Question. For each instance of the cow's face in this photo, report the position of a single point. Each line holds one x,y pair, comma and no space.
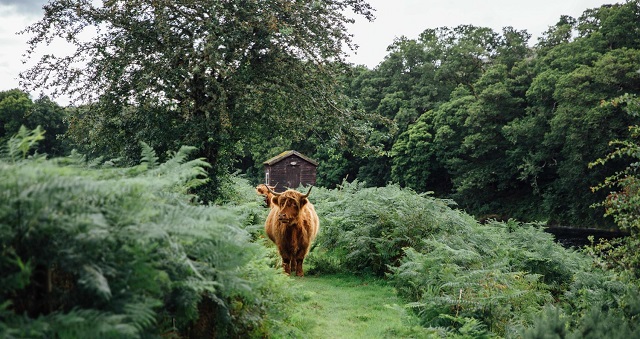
289,204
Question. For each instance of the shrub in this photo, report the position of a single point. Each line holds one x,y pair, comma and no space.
456,274
446,279
91,250
365,229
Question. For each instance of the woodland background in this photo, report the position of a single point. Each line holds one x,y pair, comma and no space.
477,116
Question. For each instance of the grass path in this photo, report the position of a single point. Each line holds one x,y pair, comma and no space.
341,306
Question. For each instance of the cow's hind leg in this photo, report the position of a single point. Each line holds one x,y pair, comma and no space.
294,265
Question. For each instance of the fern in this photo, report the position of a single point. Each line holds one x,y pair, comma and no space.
123,252
149,157
495,278
20,144
371,226
93,278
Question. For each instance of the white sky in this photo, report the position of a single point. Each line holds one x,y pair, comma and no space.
394,18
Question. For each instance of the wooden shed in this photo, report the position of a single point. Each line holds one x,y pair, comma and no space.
290,169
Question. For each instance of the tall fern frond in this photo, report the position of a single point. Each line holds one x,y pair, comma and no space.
84,323
142,314
184,174
93,279
149,157
19,145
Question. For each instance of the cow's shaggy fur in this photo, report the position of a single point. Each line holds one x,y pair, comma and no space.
263,190
292,225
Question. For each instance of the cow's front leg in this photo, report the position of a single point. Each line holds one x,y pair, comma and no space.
299,271
286,265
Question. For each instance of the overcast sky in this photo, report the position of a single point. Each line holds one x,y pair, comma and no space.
394,18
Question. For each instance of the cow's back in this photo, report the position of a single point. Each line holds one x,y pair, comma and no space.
272,224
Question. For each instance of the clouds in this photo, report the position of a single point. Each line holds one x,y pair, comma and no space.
13,45
25,7
409,18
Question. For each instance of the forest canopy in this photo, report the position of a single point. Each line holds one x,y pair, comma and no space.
505,129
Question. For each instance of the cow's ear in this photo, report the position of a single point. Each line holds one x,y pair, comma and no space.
274,200
303,201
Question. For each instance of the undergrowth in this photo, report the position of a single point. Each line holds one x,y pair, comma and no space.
91,250
462,277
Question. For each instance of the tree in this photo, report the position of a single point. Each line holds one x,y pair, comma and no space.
218,71
580,129
522,124
17,109
412,157
14,105
615,24
459,143
417,76
623,201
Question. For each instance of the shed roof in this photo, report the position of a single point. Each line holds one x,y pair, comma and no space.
286,154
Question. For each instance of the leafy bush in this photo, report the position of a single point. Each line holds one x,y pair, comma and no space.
598,322
462,278
364,230
624,198
457,279
90,250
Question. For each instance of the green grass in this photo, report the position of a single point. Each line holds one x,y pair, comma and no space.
341,306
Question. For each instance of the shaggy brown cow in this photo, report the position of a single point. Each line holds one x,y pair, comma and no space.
292,225
263,189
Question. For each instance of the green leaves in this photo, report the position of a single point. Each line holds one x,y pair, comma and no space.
458,276
149,157
366,229
92,278
516,127
17,109
623,197
24,141
123,252
211,74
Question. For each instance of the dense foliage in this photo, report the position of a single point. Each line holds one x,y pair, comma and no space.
467,279
459,123
123,252
500,127
481,117
18,109
90,250
623,202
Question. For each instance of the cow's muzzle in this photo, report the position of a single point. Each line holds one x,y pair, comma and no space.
283,218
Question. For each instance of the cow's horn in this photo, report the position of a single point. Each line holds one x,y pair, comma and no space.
309,191
272,192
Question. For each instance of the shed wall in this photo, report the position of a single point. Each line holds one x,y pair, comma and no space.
290,172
